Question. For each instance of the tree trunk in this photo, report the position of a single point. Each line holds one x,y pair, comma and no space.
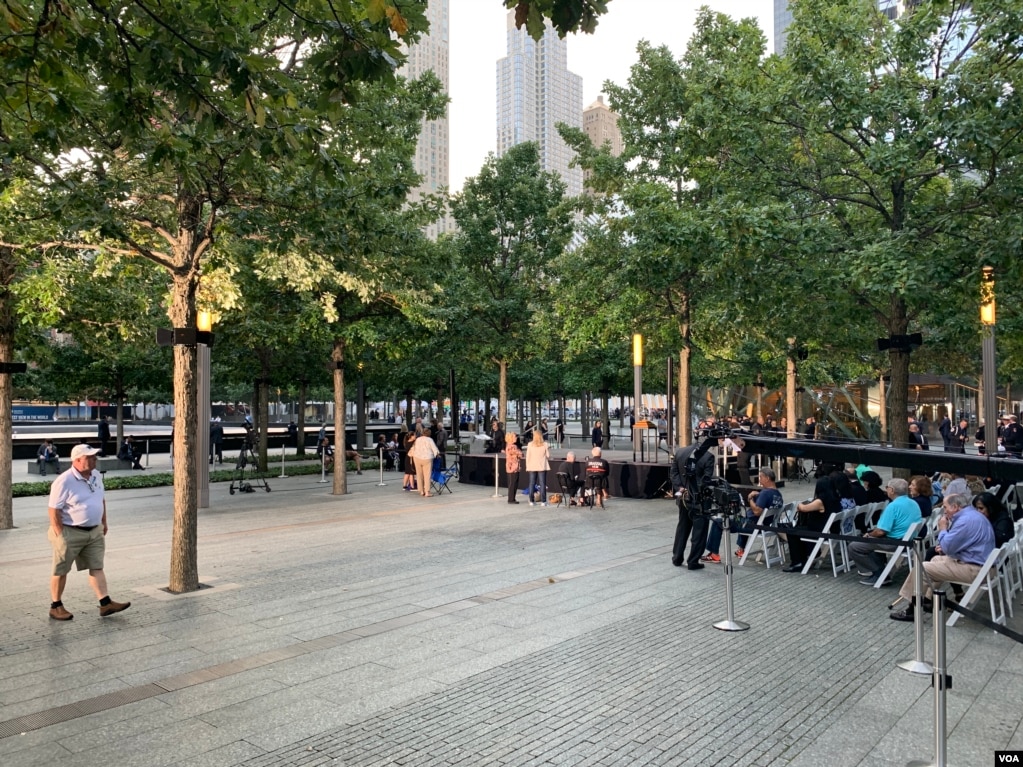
6,389
502,392
584,413
184,565
263,388
337,356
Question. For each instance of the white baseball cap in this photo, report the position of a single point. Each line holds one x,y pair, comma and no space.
82,450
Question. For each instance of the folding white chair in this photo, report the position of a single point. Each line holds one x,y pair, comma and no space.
903,550
987,579
846,526
829,527
770,544
1012,578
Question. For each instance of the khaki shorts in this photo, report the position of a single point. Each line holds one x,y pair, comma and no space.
84,548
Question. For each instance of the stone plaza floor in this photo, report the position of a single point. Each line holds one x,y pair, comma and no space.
384,628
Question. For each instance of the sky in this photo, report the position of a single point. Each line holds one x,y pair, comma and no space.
477,41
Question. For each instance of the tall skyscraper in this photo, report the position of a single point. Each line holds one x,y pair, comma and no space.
432,160
535,92
783,17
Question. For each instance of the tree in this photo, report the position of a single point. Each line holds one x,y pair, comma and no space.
512,225
174,115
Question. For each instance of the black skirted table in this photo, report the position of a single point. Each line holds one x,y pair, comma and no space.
626,479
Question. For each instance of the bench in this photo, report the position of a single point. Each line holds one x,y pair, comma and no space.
51,470
111,463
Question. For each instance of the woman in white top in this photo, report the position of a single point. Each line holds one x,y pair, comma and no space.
538,464
424,450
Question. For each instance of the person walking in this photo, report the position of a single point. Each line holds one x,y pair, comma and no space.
538,463
78,527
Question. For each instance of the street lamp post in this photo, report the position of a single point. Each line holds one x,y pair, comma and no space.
204,339
987,321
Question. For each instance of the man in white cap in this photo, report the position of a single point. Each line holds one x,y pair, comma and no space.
78,524
1012,435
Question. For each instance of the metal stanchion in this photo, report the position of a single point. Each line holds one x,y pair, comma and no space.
497,473
918,665
284,449
323,467
941,682
380,461
729,624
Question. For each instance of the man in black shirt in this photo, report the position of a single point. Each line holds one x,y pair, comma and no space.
690,472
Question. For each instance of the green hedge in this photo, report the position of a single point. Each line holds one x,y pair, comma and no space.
165,478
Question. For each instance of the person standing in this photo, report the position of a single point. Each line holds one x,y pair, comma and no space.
424,450
958,437
945,430
691,469
216,440
512,464
597,436
440,437
103,433
538,463
78,526
1012,436
292,433
559,432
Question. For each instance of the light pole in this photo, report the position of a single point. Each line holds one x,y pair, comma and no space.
203,342
987,321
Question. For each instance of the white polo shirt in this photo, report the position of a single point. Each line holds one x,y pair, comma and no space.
79,500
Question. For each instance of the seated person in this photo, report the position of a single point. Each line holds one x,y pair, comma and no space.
129,452
47,454
759,500
325,451
597,470
963,547
353,455
575,471
897,517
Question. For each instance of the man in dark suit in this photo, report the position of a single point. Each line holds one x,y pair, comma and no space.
691,469
103,433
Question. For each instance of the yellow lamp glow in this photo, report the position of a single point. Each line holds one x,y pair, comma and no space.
987,296
637,350
204,321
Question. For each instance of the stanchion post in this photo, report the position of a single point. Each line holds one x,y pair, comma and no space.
323,466
730,623
941,681
497,472
918,665
284,449
380,462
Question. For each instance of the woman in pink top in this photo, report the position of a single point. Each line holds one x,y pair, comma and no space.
513,462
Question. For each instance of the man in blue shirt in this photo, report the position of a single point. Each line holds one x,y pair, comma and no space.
965,539
898,516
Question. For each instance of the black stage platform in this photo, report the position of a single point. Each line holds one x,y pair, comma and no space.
626,480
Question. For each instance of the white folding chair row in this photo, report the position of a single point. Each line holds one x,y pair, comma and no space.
931,523
988,579
770,542
905,549
831,526
872,509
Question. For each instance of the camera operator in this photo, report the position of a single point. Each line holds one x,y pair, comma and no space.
692,468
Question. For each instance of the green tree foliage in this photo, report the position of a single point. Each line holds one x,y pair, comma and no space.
512,226
150,123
